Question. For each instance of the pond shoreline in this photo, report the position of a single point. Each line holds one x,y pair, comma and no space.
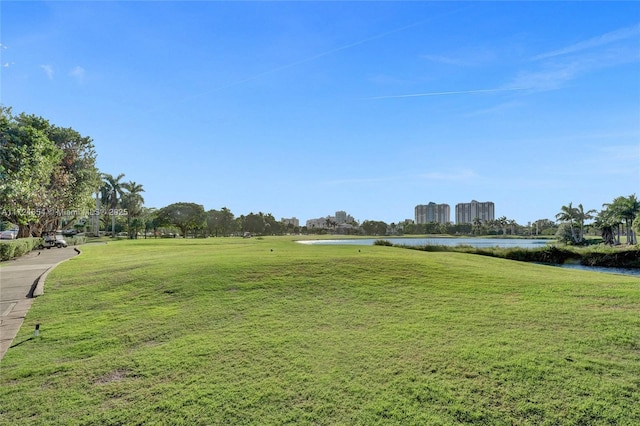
525,250
594,256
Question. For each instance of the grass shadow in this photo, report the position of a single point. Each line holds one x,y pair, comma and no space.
19,343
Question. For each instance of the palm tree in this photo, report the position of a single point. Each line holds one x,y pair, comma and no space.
575,217
502,222
111,189
581,216
567,214
606,221
633,209
477,223
132,201
626,209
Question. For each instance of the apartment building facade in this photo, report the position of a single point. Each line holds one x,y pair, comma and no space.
432,212
467,212
290,221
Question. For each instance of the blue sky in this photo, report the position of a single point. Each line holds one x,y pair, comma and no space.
304,108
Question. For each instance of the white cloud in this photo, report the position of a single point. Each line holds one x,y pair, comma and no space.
48,70
546,79
6,64
602,40
562,65
453,92
77,73
555,74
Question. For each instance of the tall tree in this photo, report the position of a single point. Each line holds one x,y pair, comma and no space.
28,159
477,225
111,189
47,172
271,225
132,202
73,180
372,227
575,218
220,222
185,216
625,210
502,221
567,215
606,221
636,226
254,223
581,217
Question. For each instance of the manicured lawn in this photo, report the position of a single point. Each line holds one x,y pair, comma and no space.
235,331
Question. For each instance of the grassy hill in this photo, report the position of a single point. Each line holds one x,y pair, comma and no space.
267,331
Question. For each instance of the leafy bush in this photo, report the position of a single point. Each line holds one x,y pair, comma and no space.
7,250
17,248
629,258
436,247
564,233
77,240
383,243
592,255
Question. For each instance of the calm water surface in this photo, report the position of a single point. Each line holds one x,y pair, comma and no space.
606,269
474,242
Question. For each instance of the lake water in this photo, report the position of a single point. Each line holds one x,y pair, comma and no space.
605,269
474,242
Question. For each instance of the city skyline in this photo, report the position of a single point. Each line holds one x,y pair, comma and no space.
296,108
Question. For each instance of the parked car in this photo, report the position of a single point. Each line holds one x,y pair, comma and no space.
8,235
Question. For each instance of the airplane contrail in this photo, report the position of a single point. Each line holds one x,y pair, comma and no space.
303,61
314,57
457,92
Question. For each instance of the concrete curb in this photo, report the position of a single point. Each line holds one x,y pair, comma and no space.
39,288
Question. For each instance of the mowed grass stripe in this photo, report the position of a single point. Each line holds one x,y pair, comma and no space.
267,331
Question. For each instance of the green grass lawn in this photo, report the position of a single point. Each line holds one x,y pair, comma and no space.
267,331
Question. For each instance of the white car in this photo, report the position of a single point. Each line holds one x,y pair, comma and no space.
8,235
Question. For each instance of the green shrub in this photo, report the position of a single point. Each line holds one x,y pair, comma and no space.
23,247
629,258
7,250
590,255
77,240
17,248
383,243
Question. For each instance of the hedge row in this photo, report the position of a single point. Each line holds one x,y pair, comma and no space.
622,257
76,241
17,248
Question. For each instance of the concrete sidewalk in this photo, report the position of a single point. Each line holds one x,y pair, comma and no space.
21,280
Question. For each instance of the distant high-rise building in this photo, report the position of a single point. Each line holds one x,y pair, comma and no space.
320,223
467,212
432,212
341,217
293,221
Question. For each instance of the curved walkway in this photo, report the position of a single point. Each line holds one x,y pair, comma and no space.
21,280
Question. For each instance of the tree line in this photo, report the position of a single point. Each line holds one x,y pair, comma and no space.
620,217
47,173
49,180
